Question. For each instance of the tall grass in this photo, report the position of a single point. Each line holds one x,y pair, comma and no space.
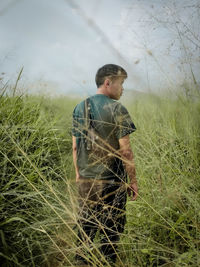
38,192
165,220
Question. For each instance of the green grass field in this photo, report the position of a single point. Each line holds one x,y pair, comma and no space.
38,190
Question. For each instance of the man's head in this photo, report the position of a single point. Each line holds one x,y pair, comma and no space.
110,77
110,71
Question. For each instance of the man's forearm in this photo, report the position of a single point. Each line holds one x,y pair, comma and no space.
128,161
74,148
129,164
127,157
75,162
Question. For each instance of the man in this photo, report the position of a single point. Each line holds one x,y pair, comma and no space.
103,158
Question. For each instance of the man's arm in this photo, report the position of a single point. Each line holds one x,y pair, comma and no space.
128,161
74,148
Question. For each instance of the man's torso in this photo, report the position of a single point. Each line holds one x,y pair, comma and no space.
106,120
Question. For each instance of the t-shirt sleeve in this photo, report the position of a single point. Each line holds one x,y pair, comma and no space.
78,120
124,123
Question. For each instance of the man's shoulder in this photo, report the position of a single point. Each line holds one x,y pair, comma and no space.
79,107
103,101
118,107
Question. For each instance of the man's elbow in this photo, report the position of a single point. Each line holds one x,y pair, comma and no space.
127,154
74,148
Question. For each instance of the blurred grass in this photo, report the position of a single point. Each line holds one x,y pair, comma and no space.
38,204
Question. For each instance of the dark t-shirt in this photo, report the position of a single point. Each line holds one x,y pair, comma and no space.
110,121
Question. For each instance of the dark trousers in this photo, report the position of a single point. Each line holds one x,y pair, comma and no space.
102,207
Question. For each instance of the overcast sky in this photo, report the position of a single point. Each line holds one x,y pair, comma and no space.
62,43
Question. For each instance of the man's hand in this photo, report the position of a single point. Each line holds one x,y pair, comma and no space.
133,190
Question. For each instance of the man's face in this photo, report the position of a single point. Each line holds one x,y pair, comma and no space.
115,88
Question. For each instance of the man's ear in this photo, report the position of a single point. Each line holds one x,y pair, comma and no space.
107,82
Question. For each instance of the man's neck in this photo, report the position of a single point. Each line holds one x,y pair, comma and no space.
102,91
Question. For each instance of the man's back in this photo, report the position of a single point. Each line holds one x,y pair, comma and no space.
111,121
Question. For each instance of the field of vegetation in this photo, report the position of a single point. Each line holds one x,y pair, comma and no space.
38,190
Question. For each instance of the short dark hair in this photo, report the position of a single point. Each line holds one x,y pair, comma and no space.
111,71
